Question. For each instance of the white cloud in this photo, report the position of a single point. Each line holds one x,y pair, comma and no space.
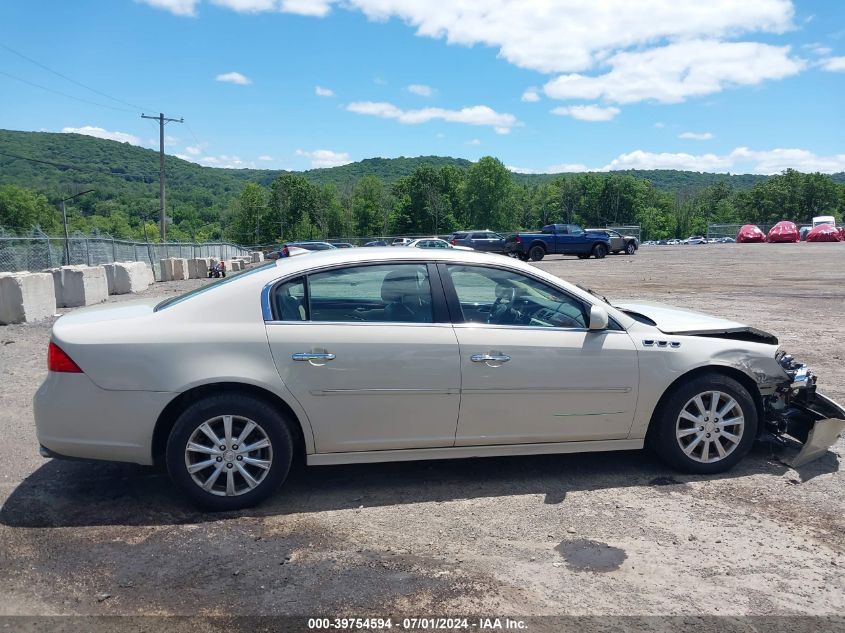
193,150
659,125
818,49
587,112
678,71
323,92
90,130
176,7
421,89
573,36
474,141
265,157
234,78
834,64
501,122
315,8
741,160
696,136
530,95
325,157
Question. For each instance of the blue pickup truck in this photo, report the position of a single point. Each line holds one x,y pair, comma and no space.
557,239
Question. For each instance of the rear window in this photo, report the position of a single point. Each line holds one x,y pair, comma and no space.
197,291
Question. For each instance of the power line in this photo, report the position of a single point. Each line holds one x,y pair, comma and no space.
64,94
73,81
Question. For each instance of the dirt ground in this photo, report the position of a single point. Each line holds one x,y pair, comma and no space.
605,533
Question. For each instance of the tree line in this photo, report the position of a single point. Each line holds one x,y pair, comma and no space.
433,199
485,195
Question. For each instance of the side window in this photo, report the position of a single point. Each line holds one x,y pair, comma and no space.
479,236
290,301
504,297
384,293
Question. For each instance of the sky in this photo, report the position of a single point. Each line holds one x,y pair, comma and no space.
543,85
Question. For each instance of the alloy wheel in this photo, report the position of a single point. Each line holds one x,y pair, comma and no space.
228,455
710,426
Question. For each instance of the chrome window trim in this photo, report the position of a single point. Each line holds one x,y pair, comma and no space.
360,323
533,328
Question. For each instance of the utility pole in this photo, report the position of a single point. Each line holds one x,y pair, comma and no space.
162,121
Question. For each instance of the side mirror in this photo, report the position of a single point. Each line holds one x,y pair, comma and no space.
598,318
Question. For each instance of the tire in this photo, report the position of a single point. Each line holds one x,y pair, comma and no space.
523,257
672,435
536,253
630,248
599,251
583,257
268,467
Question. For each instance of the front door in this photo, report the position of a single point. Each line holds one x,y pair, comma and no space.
531,370
364,354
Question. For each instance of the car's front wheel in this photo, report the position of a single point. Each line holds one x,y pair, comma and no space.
706,425
229,451
630,248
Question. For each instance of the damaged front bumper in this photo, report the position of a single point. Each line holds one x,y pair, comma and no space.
796,409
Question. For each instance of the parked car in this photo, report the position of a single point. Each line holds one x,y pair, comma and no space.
673,242
435,242
333,357
288,250
750,233
726,240
783,231
401,241
342,244
619,243
695,240
557,239
376,243
313,246
487,241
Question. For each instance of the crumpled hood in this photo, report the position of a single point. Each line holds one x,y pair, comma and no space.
672,320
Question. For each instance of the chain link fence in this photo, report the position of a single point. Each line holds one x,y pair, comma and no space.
39,251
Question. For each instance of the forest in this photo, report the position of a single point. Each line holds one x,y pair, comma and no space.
413,196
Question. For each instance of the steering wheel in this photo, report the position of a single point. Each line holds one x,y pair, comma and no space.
503,294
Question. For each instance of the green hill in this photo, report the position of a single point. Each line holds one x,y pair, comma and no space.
121,170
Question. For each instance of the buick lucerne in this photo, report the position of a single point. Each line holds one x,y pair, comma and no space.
386,354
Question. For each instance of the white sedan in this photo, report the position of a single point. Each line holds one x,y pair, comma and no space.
388,354
435,242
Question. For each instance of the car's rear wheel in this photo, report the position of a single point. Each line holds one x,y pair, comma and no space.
229,451
630,248
536,253
706,425
599,251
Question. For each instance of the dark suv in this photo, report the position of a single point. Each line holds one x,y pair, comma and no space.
486,241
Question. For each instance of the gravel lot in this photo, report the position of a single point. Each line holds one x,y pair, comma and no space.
606,533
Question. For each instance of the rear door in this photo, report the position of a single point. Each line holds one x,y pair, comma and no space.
484,241
369,353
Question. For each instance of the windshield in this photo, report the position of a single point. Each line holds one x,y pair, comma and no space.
196,291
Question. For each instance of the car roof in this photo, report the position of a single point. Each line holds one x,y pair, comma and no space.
241,297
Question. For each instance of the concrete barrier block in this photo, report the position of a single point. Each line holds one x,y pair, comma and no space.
166,268
82,285
257,257
130,277
180,269
26,297
109,268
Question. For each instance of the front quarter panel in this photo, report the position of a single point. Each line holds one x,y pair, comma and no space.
661,364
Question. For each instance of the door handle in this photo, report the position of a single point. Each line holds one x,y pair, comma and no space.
489,358
306,356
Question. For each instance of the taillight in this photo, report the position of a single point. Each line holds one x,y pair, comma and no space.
285,252
58,360
453,242
518,240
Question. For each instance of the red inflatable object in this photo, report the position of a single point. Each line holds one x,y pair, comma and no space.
784,231
824,233
750,233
